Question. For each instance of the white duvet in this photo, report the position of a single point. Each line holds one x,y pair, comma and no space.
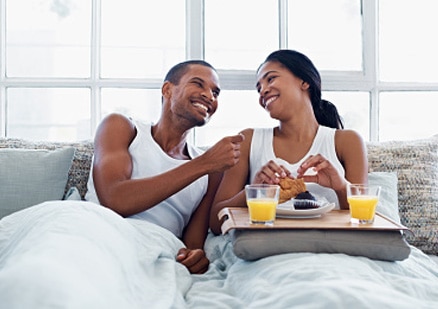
73,254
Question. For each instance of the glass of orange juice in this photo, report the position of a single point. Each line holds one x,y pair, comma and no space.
363,200
262,200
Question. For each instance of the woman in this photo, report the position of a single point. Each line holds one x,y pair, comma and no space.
309,141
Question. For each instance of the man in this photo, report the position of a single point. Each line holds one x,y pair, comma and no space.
151,172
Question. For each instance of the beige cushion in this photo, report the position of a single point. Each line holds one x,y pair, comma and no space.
416,165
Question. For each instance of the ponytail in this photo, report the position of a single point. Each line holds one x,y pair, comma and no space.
302,67
327,115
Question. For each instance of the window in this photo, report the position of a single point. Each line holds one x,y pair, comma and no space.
64,65
47,39
141,39
240,34
328,32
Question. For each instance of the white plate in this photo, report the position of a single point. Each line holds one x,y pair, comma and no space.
287,210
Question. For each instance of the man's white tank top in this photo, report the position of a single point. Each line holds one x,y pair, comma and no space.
262,150
148,159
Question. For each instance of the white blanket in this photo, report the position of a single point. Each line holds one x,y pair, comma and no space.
80,255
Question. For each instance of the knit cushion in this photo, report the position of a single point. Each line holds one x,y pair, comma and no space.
416,164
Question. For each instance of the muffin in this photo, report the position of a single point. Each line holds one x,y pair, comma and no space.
305,200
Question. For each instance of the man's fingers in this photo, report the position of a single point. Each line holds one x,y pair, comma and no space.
237,138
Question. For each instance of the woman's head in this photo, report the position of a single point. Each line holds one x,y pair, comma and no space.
302,67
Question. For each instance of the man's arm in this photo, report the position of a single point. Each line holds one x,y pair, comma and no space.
112,169
197,228
194,257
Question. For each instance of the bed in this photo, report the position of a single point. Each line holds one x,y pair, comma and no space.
69,253
75,254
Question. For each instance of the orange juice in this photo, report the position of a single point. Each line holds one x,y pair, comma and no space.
262,210
363,207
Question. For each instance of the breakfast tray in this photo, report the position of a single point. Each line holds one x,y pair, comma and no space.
238,218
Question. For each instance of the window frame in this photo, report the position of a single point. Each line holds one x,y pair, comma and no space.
366,81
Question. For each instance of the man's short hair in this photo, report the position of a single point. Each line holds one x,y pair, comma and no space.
176,72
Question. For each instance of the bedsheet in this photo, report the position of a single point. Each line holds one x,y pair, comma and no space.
73,254
81,255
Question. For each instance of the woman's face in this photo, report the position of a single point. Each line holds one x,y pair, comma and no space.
280,91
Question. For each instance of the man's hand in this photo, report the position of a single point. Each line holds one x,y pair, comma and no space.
225,153
194,259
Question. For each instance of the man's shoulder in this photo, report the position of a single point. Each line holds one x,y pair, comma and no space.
115,128
116,120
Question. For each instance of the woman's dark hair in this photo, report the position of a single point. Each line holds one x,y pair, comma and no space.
302,67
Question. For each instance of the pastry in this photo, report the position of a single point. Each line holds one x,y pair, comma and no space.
289,188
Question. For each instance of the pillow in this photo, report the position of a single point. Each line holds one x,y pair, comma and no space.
380,245
73,194
80,167
29,177
416,164
388,201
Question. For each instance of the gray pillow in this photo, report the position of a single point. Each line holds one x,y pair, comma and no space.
73,194
380,245
29,177
388,202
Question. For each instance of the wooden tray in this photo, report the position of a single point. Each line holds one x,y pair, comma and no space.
238,218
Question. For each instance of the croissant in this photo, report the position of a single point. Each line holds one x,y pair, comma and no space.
289,188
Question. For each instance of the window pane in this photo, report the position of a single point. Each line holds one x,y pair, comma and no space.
240,109
408,44
48,38
407,115
49,114
237,110
240,34
142,38
144,104
328,32
354,108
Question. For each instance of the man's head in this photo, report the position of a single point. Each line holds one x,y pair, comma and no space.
190,92
177,71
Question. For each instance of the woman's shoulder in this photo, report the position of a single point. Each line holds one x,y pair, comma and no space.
257,133
248,133
348,140
348,135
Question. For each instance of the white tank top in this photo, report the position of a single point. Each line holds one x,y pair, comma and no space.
148,159
262,150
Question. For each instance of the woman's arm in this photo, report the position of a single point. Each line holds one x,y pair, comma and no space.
352,153
230,191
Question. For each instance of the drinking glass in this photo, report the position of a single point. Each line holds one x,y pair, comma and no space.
262,201
363,200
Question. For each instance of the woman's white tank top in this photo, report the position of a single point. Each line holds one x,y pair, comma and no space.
262,150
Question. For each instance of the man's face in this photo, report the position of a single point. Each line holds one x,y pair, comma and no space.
195,98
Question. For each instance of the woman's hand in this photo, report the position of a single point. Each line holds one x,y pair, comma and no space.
325,174
194,259
271,173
